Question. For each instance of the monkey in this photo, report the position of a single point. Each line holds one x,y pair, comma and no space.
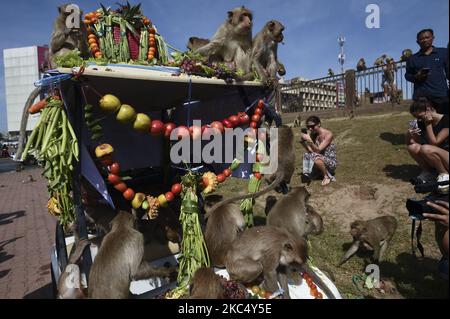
265,52
29,179
194,43
232,43
269,251
285,169
222,227
292,213
72,274
380,60
205,284
374,235
270,202
406,54
120,260
361,66
298,121
64,39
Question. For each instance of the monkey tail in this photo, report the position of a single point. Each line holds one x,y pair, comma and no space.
272,186
318,281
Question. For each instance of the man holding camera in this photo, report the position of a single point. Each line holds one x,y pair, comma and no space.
428,70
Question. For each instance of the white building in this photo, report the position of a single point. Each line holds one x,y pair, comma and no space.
22,69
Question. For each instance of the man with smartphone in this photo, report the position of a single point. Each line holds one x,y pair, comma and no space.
428,70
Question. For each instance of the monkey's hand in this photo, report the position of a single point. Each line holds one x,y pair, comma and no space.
281,69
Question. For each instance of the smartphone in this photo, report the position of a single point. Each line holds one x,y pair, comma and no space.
413,124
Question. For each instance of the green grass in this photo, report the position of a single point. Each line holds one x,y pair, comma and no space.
370,151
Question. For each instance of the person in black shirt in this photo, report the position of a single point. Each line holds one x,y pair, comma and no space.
428,141
428,70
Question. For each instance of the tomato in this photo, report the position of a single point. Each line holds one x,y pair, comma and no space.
121,187
257,175
256,118
114,168
176,189
205,181
267,295
151,31
254,125
227,172
114,179
313,286
168,128
157,128
128,194
260,104
259,112
234,120
221,178
244,119
169,196
227,123
217,126
319,295
260,157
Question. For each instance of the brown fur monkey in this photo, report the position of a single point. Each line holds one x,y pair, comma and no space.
120,260
205,284
292,213
232,43
374,235
64,38
222,228
194,43
265,52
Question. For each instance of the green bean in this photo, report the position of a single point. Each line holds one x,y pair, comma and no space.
64,132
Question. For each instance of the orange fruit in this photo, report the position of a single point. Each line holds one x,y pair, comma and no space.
150,56
98,54
92,40
92,36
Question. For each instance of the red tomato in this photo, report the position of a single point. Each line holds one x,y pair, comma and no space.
227,172
254,125
157,128
114,179
205,182
128,194
244,119
260,104
260,157
121,187
221,178
168,128
234,120
114,168
218,126
227,123
256,118
258,112
176,188
319,295
169,196
257,175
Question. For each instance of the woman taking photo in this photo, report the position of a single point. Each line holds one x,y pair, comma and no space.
321,151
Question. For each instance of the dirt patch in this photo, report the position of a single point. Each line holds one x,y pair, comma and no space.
352,202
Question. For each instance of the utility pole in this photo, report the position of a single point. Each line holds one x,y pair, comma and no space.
341,56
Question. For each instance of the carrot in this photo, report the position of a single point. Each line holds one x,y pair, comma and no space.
35,108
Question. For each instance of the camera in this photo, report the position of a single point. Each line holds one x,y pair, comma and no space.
416,208
304,130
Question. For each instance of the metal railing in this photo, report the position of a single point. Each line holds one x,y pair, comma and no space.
309,95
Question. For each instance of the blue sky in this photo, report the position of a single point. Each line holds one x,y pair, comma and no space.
312,27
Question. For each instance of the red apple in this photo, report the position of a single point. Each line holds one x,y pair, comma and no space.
234,119
157,128
217,126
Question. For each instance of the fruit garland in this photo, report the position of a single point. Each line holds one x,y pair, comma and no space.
312,287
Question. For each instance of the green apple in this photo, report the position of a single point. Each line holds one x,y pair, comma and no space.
109,103
142,123
126,114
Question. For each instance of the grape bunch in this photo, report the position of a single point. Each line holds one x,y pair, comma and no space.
224,75
233,290
189,66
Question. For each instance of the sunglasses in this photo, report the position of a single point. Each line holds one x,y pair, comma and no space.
311,126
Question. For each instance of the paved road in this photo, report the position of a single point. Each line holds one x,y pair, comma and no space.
26,234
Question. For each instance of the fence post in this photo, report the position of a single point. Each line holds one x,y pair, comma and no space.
350,88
